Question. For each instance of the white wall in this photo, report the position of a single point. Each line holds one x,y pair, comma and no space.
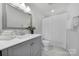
72,36
36,18
38,11
0,16
37,22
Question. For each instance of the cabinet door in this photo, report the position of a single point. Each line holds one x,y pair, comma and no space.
36,47
19,50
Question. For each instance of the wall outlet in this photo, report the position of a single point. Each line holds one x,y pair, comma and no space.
72,51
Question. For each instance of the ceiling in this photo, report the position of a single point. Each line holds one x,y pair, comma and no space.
44,8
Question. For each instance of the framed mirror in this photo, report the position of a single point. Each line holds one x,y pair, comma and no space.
14,18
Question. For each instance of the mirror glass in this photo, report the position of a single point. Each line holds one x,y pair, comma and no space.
14,16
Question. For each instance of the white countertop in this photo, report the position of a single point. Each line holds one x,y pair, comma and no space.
8,43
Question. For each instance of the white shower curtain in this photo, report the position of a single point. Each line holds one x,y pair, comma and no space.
54,29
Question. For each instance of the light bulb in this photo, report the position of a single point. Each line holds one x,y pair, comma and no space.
52,11
28,9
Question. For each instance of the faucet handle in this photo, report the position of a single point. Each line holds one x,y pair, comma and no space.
30,28
33,28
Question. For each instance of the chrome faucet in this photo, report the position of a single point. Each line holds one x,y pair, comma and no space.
31,28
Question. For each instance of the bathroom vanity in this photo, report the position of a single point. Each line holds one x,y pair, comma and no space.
26,45
15,40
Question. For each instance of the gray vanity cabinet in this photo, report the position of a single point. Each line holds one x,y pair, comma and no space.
19,50
36,47
28,48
